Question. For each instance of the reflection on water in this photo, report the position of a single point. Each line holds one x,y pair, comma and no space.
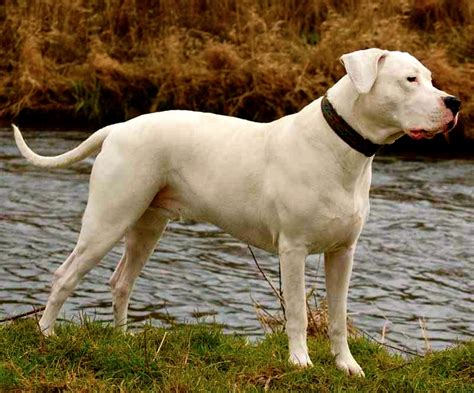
413,259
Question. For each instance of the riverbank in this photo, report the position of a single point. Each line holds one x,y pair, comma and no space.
81,63
96,357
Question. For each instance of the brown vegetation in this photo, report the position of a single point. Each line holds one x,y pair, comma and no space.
110,60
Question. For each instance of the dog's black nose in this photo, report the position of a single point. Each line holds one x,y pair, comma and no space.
452,103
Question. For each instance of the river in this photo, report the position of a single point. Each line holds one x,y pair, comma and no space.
414,260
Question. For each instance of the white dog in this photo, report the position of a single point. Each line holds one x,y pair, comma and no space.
296,186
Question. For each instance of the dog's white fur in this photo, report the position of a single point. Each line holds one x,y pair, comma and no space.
290,187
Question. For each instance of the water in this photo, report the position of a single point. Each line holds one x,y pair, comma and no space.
414,259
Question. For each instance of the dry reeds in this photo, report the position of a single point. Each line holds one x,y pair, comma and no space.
111,60
317,314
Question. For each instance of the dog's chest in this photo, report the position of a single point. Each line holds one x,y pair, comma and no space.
335,223
324,213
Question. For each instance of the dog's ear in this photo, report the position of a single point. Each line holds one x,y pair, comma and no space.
362,67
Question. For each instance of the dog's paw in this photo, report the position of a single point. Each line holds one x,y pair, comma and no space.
349,366
300,360
47,331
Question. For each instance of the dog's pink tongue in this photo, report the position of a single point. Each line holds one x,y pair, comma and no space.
416,134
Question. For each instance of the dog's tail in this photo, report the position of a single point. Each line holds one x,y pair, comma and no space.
85,149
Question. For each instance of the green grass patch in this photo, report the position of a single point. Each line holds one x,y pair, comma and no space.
97,357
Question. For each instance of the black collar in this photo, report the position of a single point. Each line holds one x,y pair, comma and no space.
346,132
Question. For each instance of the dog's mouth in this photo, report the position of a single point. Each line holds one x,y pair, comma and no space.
418,134
421,133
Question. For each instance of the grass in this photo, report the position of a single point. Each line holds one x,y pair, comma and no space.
96,357
101,62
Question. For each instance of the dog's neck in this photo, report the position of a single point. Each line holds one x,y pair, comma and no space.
344,98
346,132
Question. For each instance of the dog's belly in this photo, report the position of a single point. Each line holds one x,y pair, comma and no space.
239,221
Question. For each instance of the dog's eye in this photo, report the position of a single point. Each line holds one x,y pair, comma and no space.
411,79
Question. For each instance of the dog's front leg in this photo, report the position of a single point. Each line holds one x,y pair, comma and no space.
338,267
292,264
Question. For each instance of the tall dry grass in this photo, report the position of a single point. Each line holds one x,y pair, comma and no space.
109,60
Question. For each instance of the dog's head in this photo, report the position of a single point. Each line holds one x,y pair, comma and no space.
397,91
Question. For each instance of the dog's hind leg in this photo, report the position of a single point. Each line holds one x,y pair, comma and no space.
140,241
85,256
118,197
